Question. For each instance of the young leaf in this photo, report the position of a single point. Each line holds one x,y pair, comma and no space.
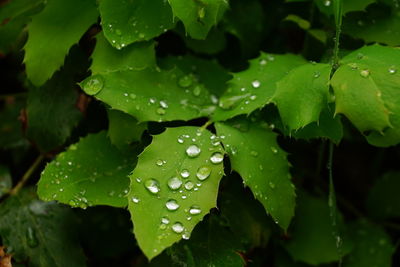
198,16
256,156
47,45
302,94
173,186
253,88
40,233
311,235
107,59
366,91
51,110
372,246
130,21
151,94
123,129
90,172
383,198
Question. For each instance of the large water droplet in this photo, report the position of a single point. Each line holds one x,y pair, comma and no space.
31,237
217,158
93,84
189,185
172,205
152,186
203,173
327,3
193,151
185,173
177,227
174,183
364,73
392,70
194,210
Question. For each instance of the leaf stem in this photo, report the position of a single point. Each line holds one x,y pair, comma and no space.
208,123
338,12
27,175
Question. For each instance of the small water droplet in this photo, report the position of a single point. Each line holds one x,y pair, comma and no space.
327,3
141,35
254,153
135,200
164,220
132,96
274,150
392,70
253,97
194,210
364,73
163,104
138,179
160,111
185,81
197,91
152,186
174,183
93,84
272,185
185,173
159,162
193,151
186,236
172,205
263,62
255,83
177,227
317,74
189,185
216,158
203,172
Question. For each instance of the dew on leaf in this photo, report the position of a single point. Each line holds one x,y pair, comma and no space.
230,102
185,173
186,236
165,220
135,200
159,162
152,186
203,172
197,91
217,158
194,210
93,84
392,70
177,227
254,153
274,150
272,185
172,205
364,73
160,111
163,104
185,81
132,96
189,185
255,83
174,183
193,151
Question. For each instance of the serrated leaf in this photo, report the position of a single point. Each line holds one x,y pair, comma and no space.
366,88
47,46
123,129
211,244
311,239
151,94
198,16
51,110
90,172
372,246
302,94
5,180
107,59
253,88
262,164
131,21
171,191
383,198
39,233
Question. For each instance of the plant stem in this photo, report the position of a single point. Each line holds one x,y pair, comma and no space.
27,175
208,123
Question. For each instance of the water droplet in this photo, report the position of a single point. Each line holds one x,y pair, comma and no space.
135,200
138,179
164,220
254,153
141,35
203,172
255,83
253,97
194,210
172,205
163,104
274,150
185,173
217,158
93,84
364,73
186,236
263,62
160,111
180,140
317,74
152,186
185,81
327,2
272,185
189,185
177,227
229,102
174,183
193,151
132,96
392,70
31,237
197,91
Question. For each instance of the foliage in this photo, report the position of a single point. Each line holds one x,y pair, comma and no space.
195,133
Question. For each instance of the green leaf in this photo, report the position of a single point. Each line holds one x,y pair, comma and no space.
123,129
51,110
131,21
90,172
16,8
311,235
47,45
5,180
366,91
302,94
253,88
198,16
214,43
39,232
172,191
151,94
256,156
211,244
383,197
107,59
327,6
372,246
379,24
